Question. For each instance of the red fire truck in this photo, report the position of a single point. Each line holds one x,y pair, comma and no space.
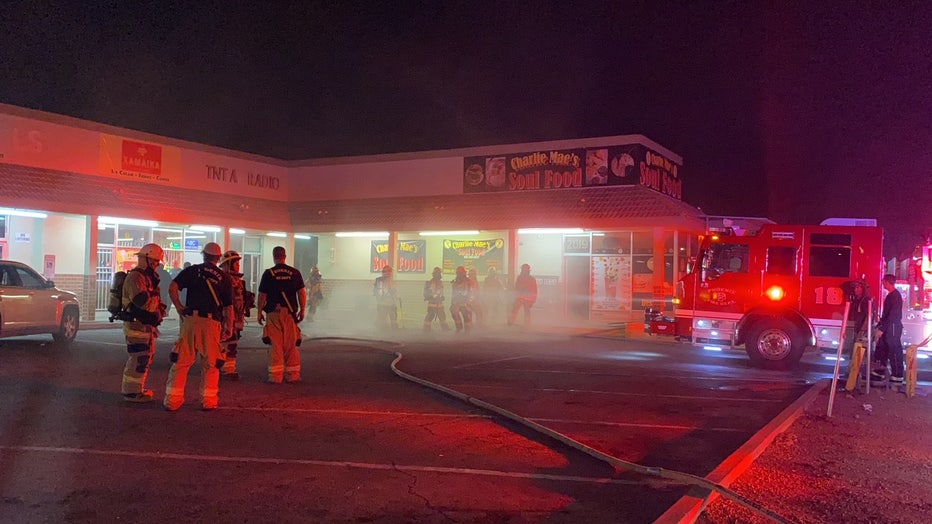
778,291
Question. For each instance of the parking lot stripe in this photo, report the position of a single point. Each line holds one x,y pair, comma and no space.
323,463
620,393
460,415
486,362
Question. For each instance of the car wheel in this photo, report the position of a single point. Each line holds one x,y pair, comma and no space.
774,344
68,328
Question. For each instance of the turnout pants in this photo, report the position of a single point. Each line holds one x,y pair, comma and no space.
284,357
229,353
435,311
462,317
140,344
520,303
199,336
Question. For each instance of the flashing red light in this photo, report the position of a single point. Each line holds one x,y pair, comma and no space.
775,293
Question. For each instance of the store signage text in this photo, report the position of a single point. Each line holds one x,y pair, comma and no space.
660,174
224,174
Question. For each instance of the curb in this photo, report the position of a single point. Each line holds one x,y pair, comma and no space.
691,505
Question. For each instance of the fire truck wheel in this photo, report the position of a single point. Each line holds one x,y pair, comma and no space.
774,344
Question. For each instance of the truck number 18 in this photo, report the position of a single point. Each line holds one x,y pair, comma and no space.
829,295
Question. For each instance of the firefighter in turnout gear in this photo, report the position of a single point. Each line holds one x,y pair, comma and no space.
459,302
282,298
476,304
206,319
433,294
315,294
142,303
525,295
230,265
386,294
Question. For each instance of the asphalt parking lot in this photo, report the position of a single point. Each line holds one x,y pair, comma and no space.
355,442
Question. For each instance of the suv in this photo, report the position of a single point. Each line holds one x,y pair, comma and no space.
30,304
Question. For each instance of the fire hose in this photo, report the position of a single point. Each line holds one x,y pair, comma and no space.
676,477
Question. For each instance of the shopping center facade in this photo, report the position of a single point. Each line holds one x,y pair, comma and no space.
601,221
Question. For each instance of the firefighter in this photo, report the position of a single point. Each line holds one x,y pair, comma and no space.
230,263
206,318
889,332
525,295
433,294
314,293
142,301
856,325
283,299
492,289
459,302
476,303
386,293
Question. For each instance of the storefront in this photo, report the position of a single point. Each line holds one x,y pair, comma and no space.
600,221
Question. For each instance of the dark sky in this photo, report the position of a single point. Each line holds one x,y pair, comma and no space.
779,109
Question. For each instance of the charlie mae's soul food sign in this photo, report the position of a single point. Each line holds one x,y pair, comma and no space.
573,168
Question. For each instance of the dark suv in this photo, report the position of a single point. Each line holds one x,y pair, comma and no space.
30,304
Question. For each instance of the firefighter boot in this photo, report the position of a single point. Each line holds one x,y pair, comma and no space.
229,370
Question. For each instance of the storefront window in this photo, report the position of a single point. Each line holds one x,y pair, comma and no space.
106,234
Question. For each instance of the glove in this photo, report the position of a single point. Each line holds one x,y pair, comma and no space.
147,317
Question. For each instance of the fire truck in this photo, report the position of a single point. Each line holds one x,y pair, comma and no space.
777,292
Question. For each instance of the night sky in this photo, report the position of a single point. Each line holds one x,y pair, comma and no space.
796,112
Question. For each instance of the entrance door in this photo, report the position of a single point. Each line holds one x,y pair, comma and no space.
576,272
104,276
252,271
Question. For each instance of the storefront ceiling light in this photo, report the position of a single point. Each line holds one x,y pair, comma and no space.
166,230
303,237
442,233
368,234
179,237
277,234
534,231
206,229
127,221
235,231
22,213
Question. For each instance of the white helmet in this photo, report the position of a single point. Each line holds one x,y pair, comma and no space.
153,251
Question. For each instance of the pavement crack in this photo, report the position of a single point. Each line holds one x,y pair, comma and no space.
412,485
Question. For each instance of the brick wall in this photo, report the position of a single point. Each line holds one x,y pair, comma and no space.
85,287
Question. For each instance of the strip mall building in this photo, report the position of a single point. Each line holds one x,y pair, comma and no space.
601,221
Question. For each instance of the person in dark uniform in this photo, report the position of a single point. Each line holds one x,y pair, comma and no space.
206,319
282,298
890,331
